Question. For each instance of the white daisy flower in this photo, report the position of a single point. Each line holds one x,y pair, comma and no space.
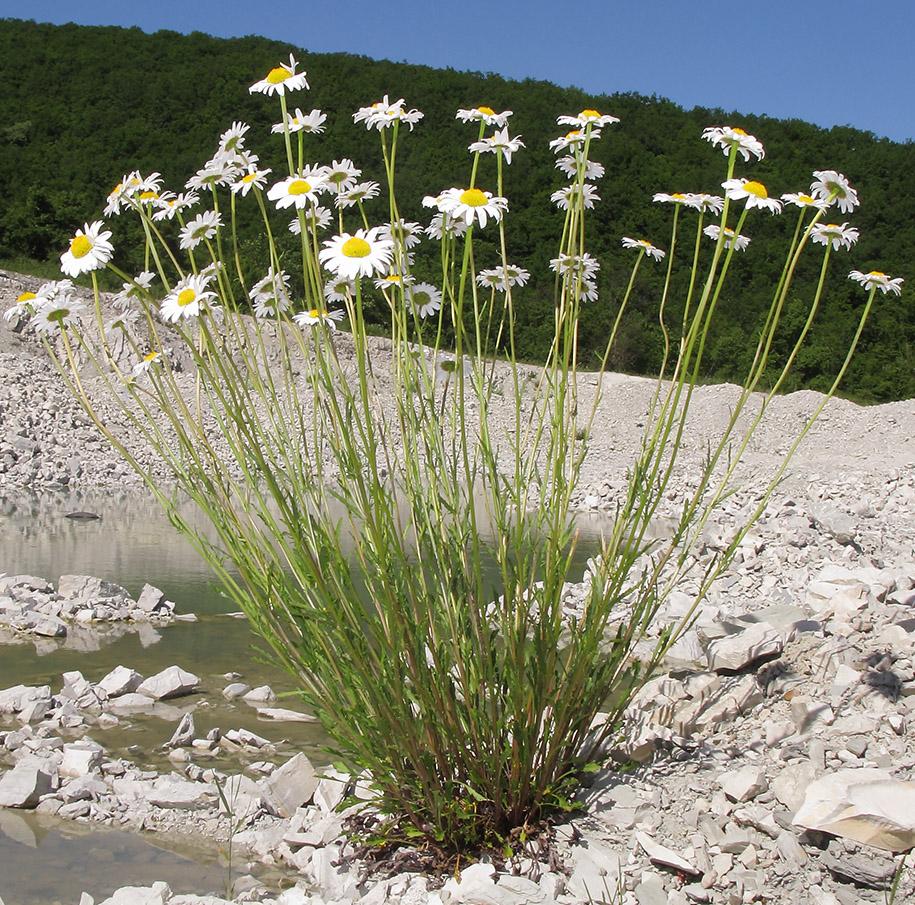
339,289
364,253
446,366
583,266
839,236
726,137
233,139
364,191
383,114
281,79
800,199
253,179
878,279
833,188
587,291
676,198
754,192
570,166
89,250
705,203
203,226
573,140
342,175
472,205
270,295
587,118
443,224
318,316
123,319
713,231
584,194
295,191
392,280
645,246
167,209
134,289
407,234
499,142
189,298
153,358
425,298
25,305
302,122
58,313
316,219
484,114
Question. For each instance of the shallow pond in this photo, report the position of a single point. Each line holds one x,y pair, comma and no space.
132,543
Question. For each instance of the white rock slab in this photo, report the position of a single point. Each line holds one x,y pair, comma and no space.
172,682
866,805
733,652
660,854
291,785
22,786
121,680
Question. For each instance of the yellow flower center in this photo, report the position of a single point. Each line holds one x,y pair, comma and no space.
589,114
488,111
26,297
473,198
80,247
186,297
249,178
757,189
299,187
876,273
678,195
148,196
739,132
354,247
278,75
154,355
805,198
317,314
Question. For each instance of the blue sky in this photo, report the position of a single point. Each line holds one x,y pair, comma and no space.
830,62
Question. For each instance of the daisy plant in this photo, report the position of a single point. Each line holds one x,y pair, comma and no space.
405,556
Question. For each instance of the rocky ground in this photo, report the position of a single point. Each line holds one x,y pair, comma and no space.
772,760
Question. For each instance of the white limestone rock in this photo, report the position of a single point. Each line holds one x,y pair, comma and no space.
734,652
171,682
24,785
866,805
291,785
81,758
121,680
744,784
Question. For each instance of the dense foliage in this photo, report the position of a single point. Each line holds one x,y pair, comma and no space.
83,105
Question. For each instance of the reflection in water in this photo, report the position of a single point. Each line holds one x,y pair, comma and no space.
47,861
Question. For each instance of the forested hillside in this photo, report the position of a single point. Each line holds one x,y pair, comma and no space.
81,106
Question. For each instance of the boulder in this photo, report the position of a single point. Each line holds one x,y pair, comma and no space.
733,652
119,681
24,785
291,785
80,758
172,682
866,805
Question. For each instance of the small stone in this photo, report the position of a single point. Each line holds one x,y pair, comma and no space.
742,785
